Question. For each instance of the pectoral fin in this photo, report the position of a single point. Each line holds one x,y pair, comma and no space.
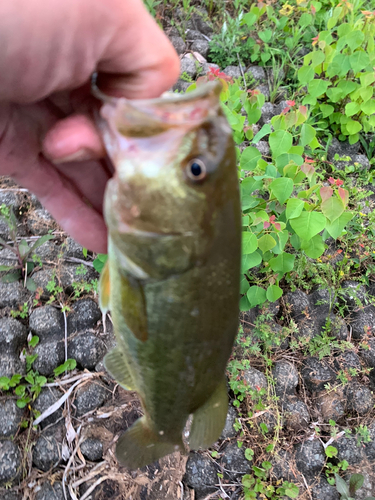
140,445
104,289
209,419
116,366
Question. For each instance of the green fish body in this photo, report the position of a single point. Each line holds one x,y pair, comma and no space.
172,276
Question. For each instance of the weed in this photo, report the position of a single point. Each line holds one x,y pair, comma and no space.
347,491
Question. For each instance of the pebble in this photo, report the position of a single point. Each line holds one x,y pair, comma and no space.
282,466
331,405
87,350
368,355
47,397
201,474
10,462
338,327
268,111
10,364
299,304
42,278
348,450
255,379
201,46
296,413
233,71
362,322
353,294
90,397
13,334
310,457
347,360
48,323
178,44
50,356
257,73
11,495
71,273
228,431
324,491
51,492
85,313
10,417
12,199
181,86
48,251
72,249
316,374
234,461
360,400
46,453
188,66
286,378
92,449
39,222
12,294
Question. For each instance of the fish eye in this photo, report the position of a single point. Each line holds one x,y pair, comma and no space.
196,169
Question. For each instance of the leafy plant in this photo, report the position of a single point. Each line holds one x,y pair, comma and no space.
339,75
347,491
257,484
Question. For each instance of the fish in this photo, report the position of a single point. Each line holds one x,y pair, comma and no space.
171,280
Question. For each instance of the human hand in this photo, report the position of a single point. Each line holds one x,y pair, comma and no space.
48,142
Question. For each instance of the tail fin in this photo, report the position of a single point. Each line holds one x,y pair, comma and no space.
140,446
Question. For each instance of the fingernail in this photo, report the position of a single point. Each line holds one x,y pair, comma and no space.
80,155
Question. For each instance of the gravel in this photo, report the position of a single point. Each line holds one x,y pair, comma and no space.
50,491
12,294
324,491
178,44
46,453
90,397
234,461
255,379
331,405
201,46
188,66
10,417
362,322
348,450
39,222
10,462
310,457
10,364
229,431
13,335
47,397
296,413
85,313
286,378
50,356
360,400
87,350
368,355
316,374
92,449
257,73
201,475
233,71
48,323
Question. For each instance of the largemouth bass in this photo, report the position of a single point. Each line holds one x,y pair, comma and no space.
172,276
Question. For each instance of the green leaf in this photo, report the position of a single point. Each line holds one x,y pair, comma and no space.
11,277
282,188
326,110
317,87
256,295
335,94
359,61
313,248
286,158
332,208
99,262
331,451
265,35
249,158
308,224
305,74
23,248
280,142
244,303
305,20
281,238
367,78
31,285
353,39
273,293
283,263
266,243
265,130
353,127
352,108
307,134
250,260
249,242
69,364
6,268
294,208
366,94
34,341
244,284
341,486
368,107
339,66
356,481
336,228
249,19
